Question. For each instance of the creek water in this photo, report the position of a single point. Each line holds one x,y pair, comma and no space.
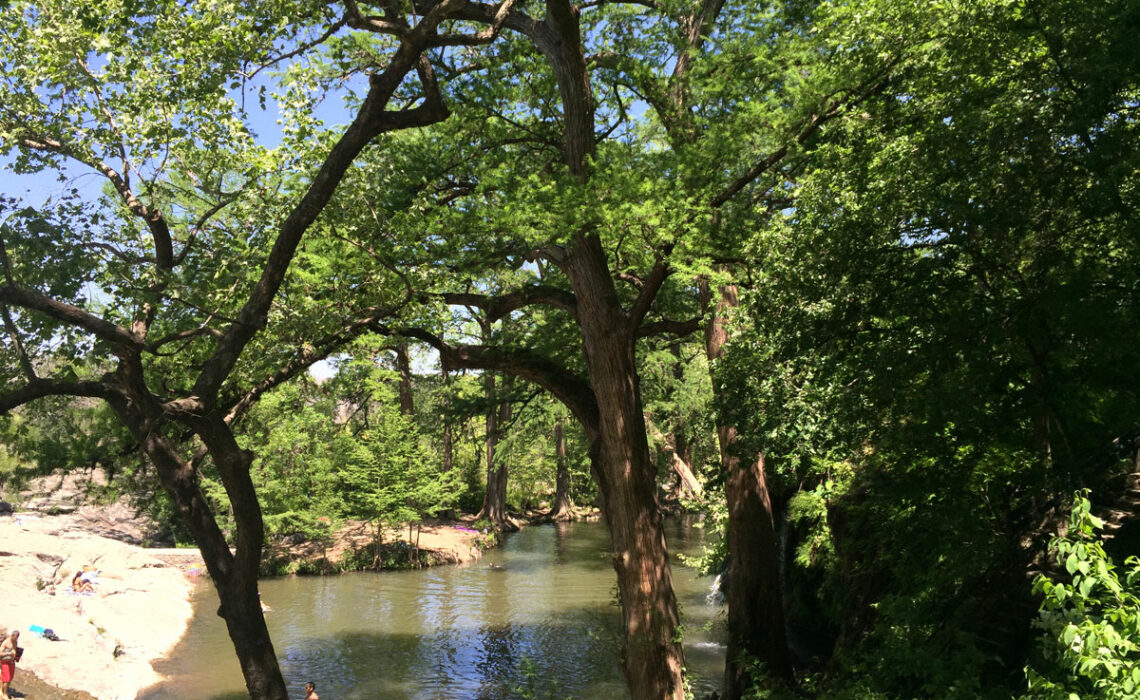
534,618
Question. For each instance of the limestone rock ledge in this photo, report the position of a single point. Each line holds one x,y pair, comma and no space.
107,639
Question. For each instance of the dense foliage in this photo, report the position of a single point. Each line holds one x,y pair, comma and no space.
940,342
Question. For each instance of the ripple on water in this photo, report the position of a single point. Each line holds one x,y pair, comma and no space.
543,622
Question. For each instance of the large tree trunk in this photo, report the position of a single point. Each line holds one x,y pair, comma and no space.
653,657
234,574
684,483
562,503
682,458
448,447
755,603
506,410
240,605
753,582
448,434
687,484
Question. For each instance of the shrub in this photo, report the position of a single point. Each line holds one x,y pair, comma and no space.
1089,618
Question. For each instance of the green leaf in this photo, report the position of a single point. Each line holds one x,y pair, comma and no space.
1069,634
1071,563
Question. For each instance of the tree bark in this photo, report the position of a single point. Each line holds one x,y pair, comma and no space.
448,435
404,368
498,414
687,485
240,605
562,503
490,440
653,657
755,602
448,447
684,483
753,583
506,410
234,574
682,447
608,405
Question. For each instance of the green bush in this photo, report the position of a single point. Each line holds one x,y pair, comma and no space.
1090,619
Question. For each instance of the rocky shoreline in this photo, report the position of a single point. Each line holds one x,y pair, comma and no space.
108,637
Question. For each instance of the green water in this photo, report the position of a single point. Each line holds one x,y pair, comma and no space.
542,622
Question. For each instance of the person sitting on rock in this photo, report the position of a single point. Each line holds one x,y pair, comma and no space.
79,584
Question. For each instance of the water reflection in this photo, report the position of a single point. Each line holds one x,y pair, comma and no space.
535,618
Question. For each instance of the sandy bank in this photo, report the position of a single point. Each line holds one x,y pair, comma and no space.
438,541
108,638
141,606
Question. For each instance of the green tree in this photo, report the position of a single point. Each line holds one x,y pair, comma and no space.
604,216
166,280
946,308
389,476
299,450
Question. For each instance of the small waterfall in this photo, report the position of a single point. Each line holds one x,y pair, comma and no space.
716,595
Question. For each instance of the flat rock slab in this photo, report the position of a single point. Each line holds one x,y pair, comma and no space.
109,638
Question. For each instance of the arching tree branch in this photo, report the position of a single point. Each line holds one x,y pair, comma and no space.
649,288
372,120
499,305
310,354
679,328
831,107
40,388
482,37
71,315
567,387
156,223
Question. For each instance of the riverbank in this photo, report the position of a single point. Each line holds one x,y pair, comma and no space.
29,686
534,617
352,547
460,540
108,637
141,607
